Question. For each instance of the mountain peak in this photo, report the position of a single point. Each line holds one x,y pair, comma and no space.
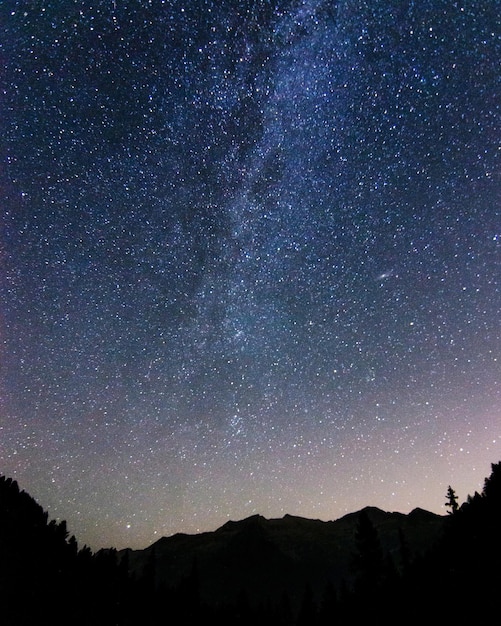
252,520
423,514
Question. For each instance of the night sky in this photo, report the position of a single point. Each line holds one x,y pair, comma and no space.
250,258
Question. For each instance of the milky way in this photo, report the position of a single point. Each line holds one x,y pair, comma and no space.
250,261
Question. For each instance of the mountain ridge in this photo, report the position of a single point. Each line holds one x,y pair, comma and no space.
261,556
370,565
417,511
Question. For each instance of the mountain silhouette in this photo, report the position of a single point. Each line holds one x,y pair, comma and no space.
264,557
368,566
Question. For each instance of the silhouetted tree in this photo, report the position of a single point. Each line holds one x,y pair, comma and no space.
369,567
405,553
328,605
187,596
452,501
307,615
368,558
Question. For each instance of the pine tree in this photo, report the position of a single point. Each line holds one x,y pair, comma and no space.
492,487
452,501
307,612
369,554
369,564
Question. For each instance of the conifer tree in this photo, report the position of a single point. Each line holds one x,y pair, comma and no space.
369,554
452,500
307,612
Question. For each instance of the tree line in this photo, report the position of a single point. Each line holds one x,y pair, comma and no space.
45,577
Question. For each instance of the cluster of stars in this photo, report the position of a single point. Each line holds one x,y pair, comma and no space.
250,259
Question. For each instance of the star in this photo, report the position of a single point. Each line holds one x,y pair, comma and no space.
250,259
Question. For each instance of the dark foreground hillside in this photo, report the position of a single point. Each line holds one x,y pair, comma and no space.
262,559
384,568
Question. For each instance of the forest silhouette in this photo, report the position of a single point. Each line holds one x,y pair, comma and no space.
45,577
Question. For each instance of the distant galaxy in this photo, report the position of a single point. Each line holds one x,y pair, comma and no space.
250,258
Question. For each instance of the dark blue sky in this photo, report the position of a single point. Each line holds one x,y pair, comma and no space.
251,256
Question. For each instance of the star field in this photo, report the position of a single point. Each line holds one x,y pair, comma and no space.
251,258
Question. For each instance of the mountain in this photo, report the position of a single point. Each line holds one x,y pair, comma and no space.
370,566
263,558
